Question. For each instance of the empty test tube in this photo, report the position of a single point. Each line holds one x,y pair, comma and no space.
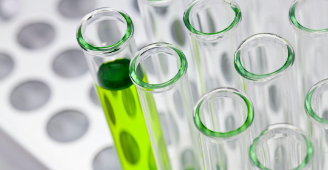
265,62
317,110
167,104
162,20
224,117
282,147
310,24
214,35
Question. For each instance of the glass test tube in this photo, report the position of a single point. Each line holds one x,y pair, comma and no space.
282,146
266,16
163,23
214,36
268,78
167,104
317,109
309,20
224,117
106,36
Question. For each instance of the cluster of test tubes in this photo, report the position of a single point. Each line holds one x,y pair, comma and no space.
222,85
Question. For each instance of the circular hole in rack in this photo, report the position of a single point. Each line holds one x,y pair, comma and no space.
6,65
36,35
70,63
75,8
30,95
107,159
67,126
8,9
93,96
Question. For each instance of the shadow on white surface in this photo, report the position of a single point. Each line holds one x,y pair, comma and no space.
14,157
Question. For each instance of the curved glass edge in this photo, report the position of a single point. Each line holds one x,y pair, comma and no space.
293,20
234,23
163,86
107,49
202,128
260,77
308,104
307,159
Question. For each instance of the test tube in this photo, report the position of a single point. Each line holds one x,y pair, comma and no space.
214,35
167,104
106,36
310,24
317,110
162,20
265,62
282,146
224,117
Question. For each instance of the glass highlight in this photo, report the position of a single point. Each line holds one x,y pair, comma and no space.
214,36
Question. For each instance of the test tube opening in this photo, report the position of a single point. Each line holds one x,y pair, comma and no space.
223,113
263,57
105,29
309,16
316,103
281,146
173,65
211,17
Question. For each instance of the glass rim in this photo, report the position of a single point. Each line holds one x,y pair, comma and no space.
293,20
203,129
111,48
162,86
309,146
234,23
308,102
260,77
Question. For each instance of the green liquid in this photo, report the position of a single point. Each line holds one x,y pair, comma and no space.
120,101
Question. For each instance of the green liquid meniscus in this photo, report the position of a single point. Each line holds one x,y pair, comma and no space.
120,101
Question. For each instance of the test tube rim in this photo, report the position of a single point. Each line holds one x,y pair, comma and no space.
111,48
297,25
234,23
162,86
268,76
204,130
308,103
305,162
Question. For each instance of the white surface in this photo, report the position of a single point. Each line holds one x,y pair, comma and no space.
28,129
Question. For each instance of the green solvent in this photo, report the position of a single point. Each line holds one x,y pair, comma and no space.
119,99
114,75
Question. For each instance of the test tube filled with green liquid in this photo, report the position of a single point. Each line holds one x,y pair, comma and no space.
106,36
